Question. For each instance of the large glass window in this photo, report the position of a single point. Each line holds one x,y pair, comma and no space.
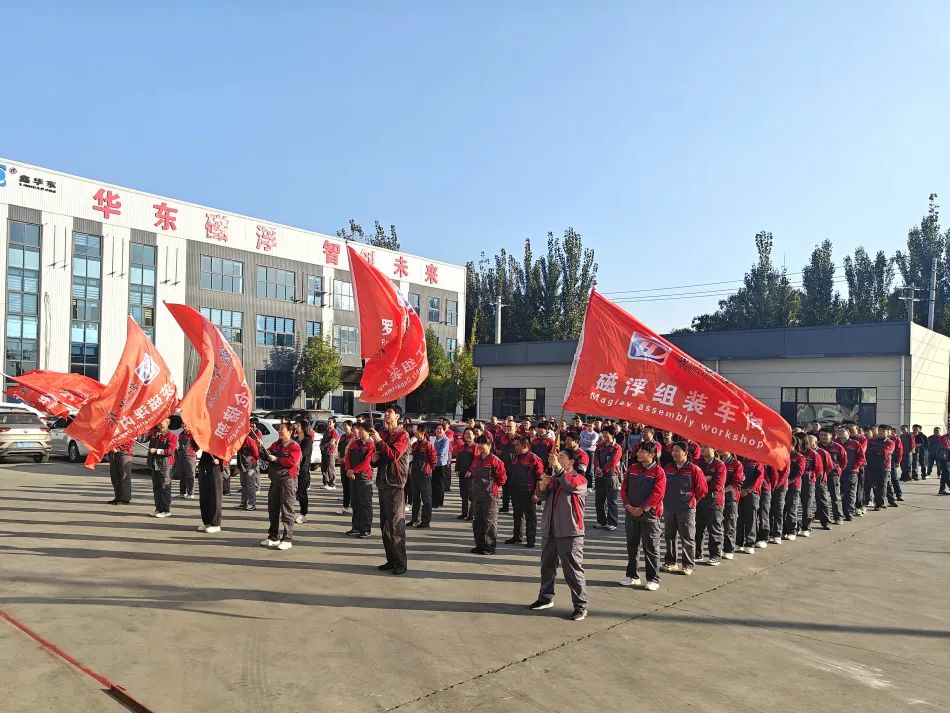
230,323
342,295
276,284
827,405
221,274
315,290
346,339
451,346
275,331
416,301
142,287
452,312
517,402
274,389
23,306
86,304
314,330
434,312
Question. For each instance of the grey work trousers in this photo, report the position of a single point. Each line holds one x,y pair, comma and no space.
730,517
250,484
485,523
281,506
682,523
709,518
569,551
643,531
392,523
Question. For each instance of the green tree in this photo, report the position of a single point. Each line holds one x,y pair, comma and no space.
926,245
869,286
318,369
821,303
379,239
578,274
465,378
437,393
766,300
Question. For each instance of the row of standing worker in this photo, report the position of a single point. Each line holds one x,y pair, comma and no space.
694,496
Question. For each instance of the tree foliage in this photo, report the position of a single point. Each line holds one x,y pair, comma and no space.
437,394
544,296
378,239
318,368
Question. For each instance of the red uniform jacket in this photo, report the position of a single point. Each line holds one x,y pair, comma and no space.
186,443
542,448
754,475
166,443
488,475
714,472
583,462
797,466
608,458
422,457
288,458
898,449
392,458
524,472
685,486
772,477
735,475
814,468
644,487
855,455
358,458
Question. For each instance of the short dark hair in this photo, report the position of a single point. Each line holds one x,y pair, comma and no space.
482,439
571,454
682,445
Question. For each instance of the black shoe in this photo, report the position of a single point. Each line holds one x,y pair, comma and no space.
826,526
837,521
541,604
579,615
477,551
848,518
363,535
900,498
529,544
386,567
503,510
423,525
351,532
112,502
460,517
469,518
943,492
893,505
513,541
488,552
412,523
399,569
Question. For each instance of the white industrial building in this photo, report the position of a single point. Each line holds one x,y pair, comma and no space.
889,372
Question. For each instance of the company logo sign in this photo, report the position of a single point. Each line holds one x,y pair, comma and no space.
147,370
3,175
643,348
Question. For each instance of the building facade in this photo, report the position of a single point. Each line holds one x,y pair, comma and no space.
891,372
79,255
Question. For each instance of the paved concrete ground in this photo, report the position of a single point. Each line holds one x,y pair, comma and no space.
854,619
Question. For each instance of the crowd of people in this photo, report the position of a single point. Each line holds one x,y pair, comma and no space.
707,505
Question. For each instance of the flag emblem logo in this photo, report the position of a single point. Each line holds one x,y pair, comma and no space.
644,348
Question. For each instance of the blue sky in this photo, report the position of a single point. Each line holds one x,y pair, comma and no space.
666,133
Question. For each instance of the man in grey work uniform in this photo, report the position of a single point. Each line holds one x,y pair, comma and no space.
392,471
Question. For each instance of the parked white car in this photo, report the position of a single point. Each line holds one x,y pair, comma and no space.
269,428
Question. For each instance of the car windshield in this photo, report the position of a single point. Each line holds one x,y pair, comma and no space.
20,419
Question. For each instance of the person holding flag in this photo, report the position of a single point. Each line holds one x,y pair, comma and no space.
392,471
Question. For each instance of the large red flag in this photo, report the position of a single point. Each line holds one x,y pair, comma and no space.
625,370
385,382
217,407
139,395
392,339
54,392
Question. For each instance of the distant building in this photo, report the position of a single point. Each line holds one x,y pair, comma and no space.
78,255
889,372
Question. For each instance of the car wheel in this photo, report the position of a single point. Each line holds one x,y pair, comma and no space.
72,453
41,459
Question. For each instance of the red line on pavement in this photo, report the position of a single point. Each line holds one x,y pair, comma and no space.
113,689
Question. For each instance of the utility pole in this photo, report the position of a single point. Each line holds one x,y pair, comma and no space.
910,297
933,292
498,306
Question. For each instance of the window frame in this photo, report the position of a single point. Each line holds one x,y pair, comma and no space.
221,276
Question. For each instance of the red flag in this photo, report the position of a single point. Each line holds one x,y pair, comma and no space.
391,336
54,392
625,370
384,381
139,395
217,407
382,311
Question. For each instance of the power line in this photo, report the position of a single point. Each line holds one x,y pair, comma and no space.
697,295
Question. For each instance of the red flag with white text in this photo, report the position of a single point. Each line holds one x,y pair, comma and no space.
625,370
387,381
217,407
139,395
56,393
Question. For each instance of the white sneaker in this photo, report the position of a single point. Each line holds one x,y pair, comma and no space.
155,514
332,487
202,528
299,519
651,586
327,487
269,543
806,533
761,544
750,550
285,545
775,541
163,514
211,529
728,555
630,582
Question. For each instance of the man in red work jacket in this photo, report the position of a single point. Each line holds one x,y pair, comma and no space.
685,486
837,459
392,471
642,495
853,463
162,444
606,465
358,470
735,477
284,456
709,510
421,464
488,475
505,449
523,471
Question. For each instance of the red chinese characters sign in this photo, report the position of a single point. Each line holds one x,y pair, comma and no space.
266,238
165,216
107,203
216,227
625,370
432,274
401,267
331,252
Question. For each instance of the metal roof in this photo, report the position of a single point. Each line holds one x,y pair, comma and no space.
845,340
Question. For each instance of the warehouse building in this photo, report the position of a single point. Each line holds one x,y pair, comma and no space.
79,255
890,372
